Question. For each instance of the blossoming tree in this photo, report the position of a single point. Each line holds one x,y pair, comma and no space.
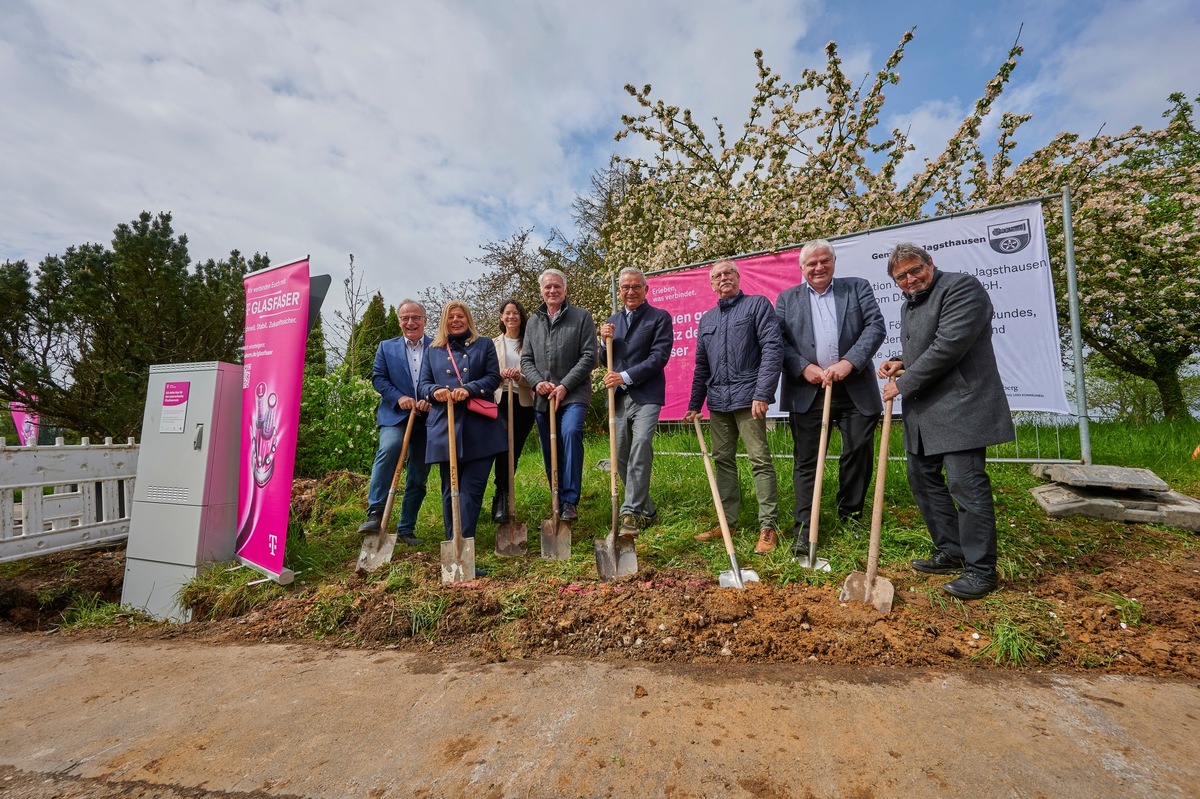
811,160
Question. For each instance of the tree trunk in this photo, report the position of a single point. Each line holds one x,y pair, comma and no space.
1171,391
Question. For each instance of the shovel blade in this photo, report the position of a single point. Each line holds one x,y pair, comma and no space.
458,561
377,549
816,564
879,595
556,540
729,579
615,557
512,539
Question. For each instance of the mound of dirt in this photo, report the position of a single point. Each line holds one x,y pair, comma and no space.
1072,621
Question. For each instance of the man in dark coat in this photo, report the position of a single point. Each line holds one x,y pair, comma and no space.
642,337
738,358
954,408
832,328
397,368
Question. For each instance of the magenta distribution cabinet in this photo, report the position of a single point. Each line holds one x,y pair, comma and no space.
184,514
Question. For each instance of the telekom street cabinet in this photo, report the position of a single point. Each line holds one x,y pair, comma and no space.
184,514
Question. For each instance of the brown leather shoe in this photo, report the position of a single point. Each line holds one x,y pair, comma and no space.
767,541
709,534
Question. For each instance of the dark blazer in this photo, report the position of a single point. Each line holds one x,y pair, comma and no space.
477,435
953,398
641,347
860,332
392,380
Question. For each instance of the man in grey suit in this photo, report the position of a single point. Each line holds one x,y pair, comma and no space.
831,329
954,408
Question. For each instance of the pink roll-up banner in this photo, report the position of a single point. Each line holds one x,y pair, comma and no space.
276,332
26,422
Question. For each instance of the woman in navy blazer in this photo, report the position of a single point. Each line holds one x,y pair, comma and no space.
478,438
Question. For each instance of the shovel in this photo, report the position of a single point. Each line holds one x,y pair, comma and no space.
814,521
377,548
615,554
869,587
733,578
458,554
512,536
556,534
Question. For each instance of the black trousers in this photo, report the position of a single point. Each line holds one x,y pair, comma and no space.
522,423
854,465
957,507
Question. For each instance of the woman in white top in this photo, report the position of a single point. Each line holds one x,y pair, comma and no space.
508,350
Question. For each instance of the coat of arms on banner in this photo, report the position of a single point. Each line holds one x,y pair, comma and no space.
1009,237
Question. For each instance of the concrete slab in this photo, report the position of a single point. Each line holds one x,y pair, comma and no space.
1114,478
1171,507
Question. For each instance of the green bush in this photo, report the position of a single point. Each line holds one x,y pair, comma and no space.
337,424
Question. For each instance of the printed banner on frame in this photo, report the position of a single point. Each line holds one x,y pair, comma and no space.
276,334
26,422
1005,248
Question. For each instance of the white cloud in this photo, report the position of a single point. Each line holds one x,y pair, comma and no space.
406,133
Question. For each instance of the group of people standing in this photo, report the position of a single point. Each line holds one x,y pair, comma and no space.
822,333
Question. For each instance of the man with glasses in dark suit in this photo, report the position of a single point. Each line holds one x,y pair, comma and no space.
954,408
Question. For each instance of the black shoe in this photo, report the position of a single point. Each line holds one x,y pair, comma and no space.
800,542
853,523
500,506
940,563
568,512
972,585
409,539
371,525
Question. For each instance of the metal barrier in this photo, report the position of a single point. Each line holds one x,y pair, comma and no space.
64,497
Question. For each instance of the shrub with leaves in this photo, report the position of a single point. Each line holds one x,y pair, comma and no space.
337,423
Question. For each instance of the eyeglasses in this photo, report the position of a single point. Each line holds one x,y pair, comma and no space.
715,276
916,271
404,319
634,287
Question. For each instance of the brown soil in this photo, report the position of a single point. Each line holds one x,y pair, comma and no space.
663,616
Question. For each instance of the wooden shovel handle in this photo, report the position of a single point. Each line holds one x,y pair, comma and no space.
877,507
455,508
814,519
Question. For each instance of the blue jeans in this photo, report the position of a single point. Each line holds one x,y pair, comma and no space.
386,458
570,449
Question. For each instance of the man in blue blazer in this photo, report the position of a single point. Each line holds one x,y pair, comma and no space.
642,337
954,408
395,374
832,329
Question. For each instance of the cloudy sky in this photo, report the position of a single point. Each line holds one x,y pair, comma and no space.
411,132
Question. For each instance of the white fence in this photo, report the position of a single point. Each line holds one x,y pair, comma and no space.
70,496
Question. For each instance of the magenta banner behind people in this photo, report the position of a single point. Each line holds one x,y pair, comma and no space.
687,295
276,333
26,422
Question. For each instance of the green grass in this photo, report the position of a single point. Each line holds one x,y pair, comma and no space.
91,612
1127,608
